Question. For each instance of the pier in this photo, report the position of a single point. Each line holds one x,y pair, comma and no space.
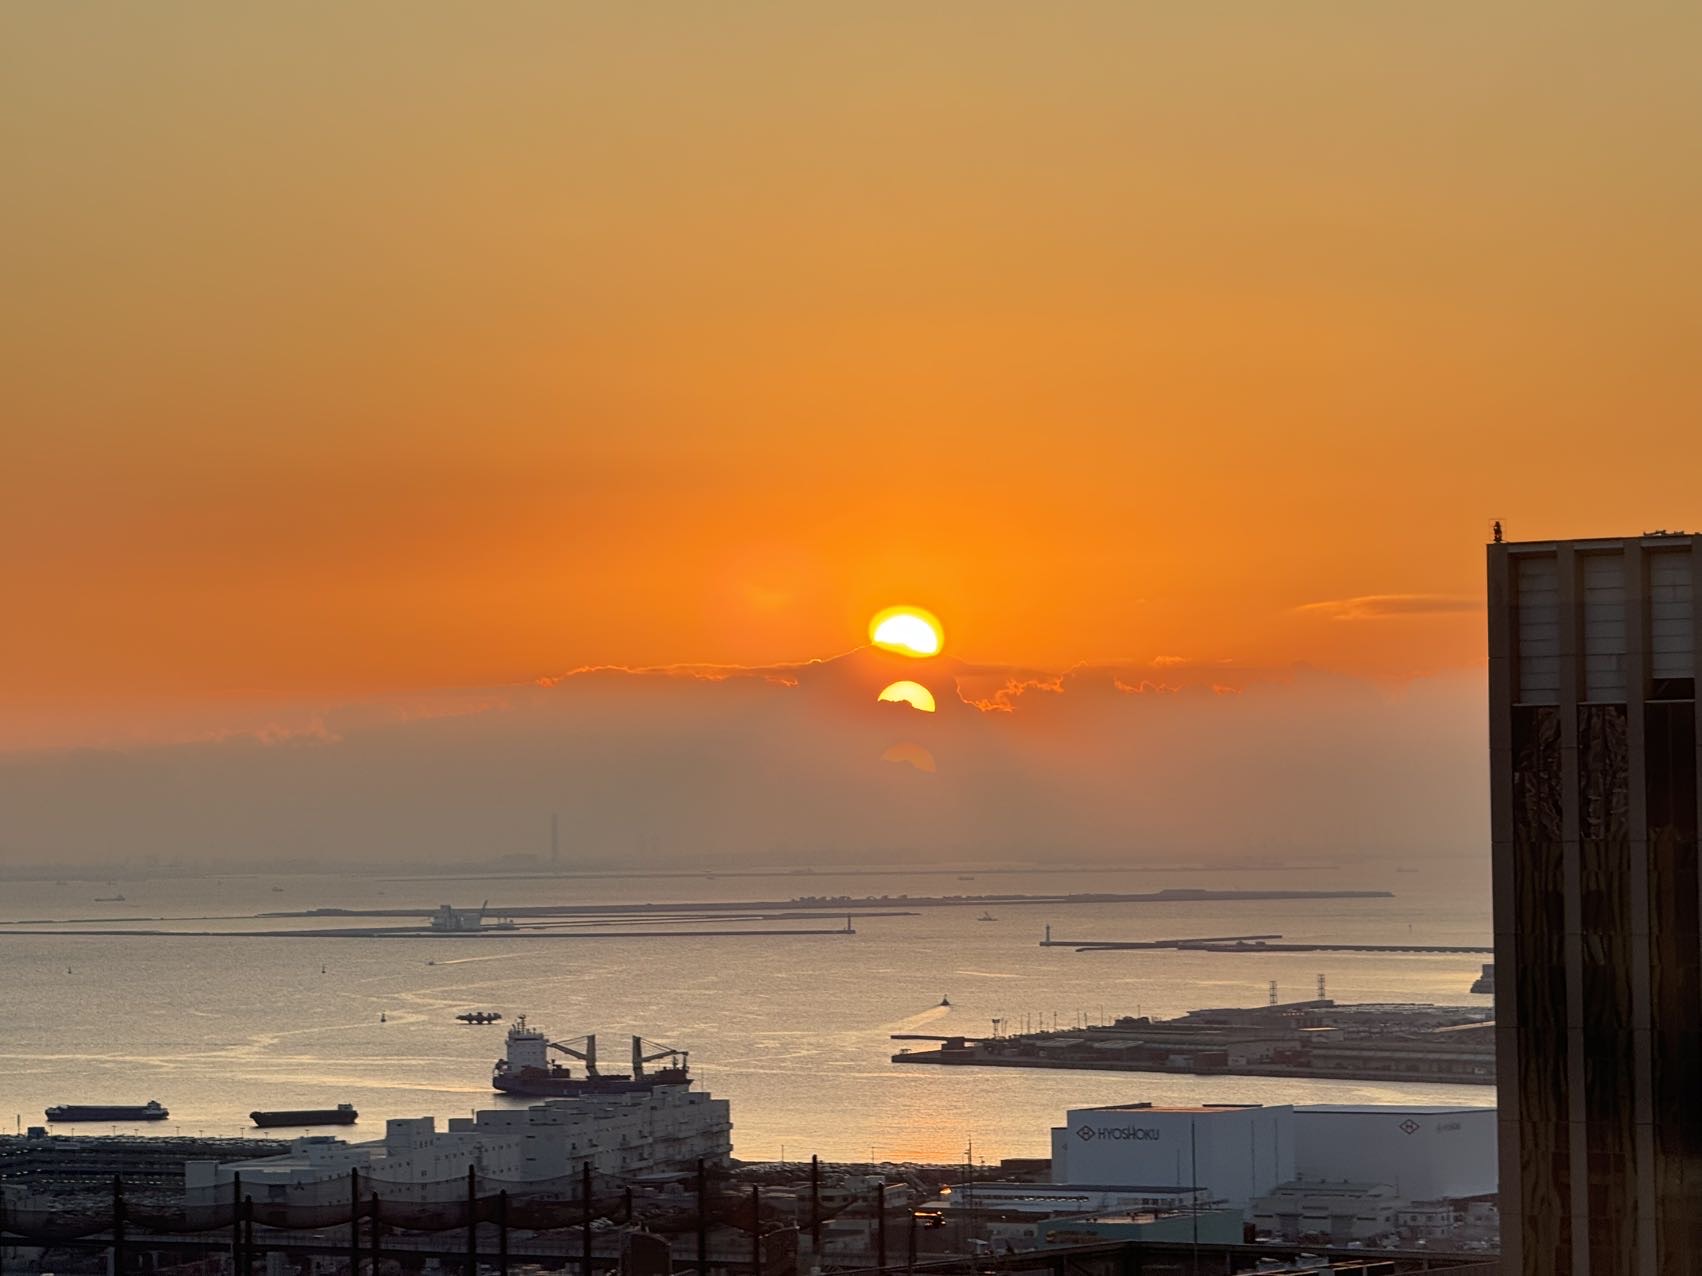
1322,1039
1257,944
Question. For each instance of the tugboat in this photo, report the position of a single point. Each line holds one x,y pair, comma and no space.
528,1070
149,1111
479,1016
342,1114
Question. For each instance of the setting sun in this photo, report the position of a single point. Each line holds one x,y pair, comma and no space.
907,630
913,694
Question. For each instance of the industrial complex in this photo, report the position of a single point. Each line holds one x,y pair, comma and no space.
1240,1177
1319,1038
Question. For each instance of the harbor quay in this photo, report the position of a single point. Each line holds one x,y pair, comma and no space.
1318,1038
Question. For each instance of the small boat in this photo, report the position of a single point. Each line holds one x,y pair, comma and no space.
279,889
986,917
109,899
479,1016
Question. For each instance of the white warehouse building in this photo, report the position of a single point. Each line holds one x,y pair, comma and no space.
1232,1153
1426,1153
1235,1154
544,1146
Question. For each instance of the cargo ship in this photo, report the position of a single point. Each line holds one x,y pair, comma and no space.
342,1114
149,1111
528,1070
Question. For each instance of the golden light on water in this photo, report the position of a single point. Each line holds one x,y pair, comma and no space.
913,694
910,631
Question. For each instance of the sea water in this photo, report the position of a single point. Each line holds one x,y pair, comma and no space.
794,1030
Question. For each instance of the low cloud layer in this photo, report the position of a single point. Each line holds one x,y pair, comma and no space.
1386,606
797,764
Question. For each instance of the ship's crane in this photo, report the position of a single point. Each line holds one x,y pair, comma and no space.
644,1052
585,1050
587,1055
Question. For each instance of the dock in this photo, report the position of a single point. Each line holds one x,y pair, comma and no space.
1408,1042
1257,944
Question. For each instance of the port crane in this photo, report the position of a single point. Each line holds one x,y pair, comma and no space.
584,1049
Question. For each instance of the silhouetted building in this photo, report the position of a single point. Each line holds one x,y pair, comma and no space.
1598,950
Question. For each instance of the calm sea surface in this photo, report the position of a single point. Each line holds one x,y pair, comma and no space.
793,1030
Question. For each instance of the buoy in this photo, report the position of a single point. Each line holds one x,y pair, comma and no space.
381,1016
945,1001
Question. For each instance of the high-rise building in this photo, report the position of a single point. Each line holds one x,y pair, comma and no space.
1598,946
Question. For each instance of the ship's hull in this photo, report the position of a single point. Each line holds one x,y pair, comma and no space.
306,1116
98,1112
543,1085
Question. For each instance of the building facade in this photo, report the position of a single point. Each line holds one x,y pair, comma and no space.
1425,1152
1232,1152
542,1148
1598,951
1336,1212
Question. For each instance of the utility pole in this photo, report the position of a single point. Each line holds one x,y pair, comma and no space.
354,1223
1194,1175
236,1223
472,1223
756,1229
372,1231
585,1233
117,1226
815,1209
702,1220
880,1223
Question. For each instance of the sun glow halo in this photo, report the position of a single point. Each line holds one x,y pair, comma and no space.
913,694
910,631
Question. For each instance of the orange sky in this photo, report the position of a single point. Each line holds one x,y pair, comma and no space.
357,349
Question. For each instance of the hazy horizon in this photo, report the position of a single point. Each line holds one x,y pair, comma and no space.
796,764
